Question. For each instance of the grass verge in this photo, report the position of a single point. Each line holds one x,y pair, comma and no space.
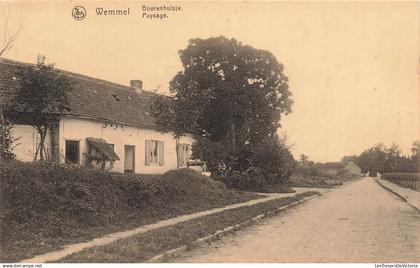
310,182
45,206
142,247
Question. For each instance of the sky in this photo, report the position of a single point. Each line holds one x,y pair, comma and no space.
353,67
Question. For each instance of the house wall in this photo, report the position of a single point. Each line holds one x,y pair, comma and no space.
120,135
28,139
353,168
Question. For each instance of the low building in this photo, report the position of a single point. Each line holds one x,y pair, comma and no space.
107,121
350,167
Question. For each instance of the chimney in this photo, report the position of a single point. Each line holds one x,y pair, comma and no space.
136,85
40,59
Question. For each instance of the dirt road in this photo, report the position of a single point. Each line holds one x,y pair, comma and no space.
360,222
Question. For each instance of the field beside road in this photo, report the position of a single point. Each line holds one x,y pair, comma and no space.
318,175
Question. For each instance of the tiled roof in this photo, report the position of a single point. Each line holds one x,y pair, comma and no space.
334,165
90,98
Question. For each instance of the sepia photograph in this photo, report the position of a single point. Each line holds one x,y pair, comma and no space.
216,132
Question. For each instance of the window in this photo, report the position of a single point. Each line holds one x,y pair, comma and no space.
184,154
154,152
72,152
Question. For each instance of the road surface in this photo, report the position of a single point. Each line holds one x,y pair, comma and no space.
359,222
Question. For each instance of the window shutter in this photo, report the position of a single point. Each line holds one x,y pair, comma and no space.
181,155
188,152
148,159
161,153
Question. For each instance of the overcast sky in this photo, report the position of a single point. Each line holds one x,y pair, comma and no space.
353,67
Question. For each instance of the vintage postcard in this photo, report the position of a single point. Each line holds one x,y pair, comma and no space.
210,132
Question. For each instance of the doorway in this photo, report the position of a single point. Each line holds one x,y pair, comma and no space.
129,158
72,152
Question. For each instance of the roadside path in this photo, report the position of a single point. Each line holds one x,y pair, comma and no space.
411,196
107,239
359,222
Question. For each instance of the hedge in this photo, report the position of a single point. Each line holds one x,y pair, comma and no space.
400,176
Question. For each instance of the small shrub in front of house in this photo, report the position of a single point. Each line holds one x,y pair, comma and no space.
251,180
6,139
212,152
261,168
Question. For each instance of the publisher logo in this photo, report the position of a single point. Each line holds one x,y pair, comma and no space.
78,13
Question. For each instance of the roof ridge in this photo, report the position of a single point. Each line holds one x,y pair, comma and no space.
81,76
92,98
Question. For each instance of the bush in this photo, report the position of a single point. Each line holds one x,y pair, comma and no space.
253,181
275,160
409,180
6,140
259,168
212,152
269,159
300,181
308,170
344,175
398,176
249,168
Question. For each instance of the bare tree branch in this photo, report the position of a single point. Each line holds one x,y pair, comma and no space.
8,38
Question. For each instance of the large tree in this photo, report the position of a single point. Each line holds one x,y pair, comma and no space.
379,158
7,36
168,118
40,101
373,159
394,161
415,154
229,92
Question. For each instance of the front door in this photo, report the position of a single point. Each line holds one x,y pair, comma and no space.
72,152
129,158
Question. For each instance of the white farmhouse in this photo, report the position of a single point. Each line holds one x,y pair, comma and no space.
107,120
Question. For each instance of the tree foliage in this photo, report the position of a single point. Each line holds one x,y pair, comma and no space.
211,152
253,167
348,158
7,141
40,101
229,92
274,159
415,154
268,162
169,117
381,159
231,97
